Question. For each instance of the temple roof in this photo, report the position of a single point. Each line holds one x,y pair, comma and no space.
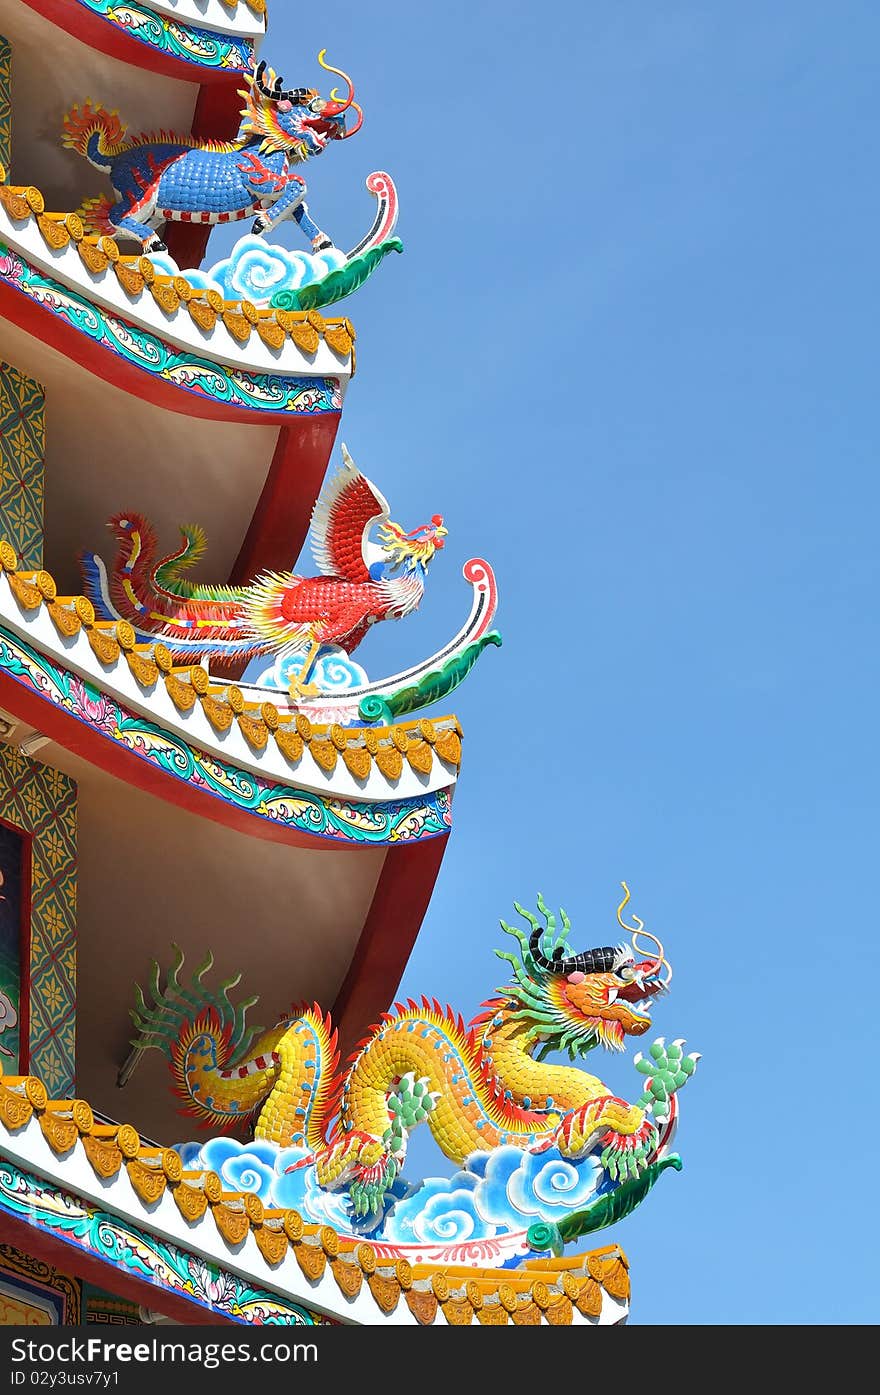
208,1239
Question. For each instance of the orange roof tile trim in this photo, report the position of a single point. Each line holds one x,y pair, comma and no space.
137,274
358,747
544,1290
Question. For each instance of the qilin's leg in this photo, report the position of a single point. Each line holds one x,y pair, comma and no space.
288,204
292,204
320,240
119,217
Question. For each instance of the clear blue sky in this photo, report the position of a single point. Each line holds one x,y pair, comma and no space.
630,353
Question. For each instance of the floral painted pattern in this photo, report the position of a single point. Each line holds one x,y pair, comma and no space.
252,392
123,1245
377,822
184,41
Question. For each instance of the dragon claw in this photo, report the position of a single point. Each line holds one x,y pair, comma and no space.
368,1186
626,1155
667,1069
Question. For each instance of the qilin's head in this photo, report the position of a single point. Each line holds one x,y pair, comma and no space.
572,1002
410,551
297,119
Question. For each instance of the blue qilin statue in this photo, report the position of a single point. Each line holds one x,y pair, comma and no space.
159,177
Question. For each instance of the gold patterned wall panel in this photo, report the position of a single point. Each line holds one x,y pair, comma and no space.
22,446
5,103
34,1294
41,804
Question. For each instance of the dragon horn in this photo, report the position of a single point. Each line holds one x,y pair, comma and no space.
591,961
277,93
538,955
358,124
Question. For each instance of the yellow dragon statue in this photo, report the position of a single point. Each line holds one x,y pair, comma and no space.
479,1086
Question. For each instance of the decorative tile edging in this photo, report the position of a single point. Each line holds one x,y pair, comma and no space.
262,392
125,1246
348,1278
49,258
57,233
233,10
160,33
375,822
387,749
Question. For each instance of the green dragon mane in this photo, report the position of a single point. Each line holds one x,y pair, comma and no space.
547,1025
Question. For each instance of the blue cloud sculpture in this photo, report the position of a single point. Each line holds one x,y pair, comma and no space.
256,270
493,1194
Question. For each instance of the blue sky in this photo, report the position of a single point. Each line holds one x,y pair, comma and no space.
630,353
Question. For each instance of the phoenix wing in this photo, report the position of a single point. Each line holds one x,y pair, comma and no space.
341,520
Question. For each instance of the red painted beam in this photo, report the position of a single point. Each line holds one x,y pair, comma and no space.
96,32
281,519
399,904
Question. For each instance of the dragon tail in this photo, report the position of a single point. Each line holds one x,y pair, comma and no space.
183,1021
223,1069
95,133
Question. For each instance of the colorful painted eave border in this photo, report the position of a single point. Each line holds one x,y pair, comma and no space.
175,38
158,337
184,739
98,1189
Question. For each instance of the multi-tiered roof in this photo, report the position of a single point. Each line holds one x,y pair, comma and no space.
290,819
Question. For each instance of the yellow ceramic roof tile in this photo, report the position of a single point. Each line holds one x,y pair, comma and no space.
110,640
174,293
542,1290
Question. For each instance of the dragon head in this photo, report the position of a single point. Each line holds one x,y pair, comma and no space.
297,120
572,1002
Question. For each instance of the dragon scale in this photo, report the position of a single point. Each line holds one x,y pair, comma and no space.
478,1086
489,1090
